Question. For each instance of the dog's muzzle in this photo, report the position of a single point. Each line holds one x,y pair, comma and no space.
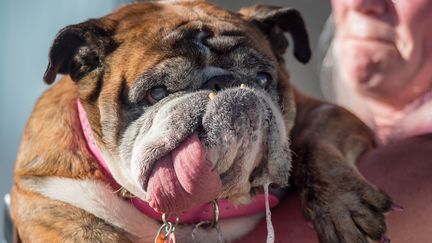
200,148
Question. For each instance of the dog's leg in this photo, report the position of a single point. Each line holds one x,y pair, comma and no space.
343,206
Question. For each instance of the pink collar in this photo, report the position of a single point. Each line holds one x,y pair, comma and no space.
194,215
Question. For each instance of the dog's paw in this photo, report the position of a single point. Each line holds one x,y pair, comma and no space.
346,208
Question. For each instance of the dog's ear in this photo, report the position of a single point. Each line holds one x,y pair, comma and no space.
78,49
274,22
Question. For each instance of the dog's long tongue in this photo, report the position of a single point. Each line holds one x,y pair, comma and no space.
183,179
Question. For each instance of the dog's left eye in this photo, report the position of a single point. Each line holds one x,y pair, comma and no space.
263,79
156,94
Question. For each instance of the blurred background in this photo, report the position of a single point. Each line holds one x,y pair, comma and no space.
28,27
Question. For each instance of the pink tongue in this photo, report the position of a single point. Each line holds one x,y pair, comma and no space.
183,179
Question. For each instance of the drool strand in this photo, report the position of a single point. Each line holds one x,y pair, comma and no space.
270,229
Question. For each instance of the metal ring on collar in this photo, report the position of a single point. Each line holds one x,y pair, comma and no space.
215,213
167,217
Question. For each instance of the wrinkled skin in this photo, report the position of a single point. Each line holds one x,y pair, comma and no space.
383,61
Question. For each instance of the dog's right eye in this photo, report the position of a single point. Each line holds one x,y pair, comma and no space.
156,94
263,79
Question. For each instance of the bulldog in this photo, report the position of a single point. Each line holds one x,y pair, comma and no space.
172,120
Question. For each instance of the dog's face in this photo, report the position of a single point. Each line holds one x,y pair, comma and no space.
144,75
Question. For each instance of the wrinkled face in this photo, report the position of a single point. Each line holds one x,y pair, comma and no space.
385,47
186,104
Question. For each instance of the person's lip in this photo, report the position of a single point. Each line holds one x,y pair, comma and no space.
369,39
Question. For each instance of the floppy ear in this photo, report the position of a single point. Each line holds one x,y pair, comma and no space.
79,49
274,22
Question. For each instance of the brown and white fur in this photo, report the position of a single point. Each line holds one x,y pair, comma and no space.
112,65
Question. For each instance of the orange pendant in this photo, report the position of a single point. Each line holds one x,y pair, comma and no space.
161,238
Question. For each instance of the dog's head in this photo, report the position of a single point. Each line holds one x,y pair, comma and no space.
144,75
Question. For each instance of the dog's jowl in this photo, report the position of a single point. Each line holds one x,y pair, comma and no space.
170,119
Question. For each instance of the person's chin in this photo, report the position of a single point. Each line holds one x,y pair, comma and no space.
373,69
364,76
366,62
370,81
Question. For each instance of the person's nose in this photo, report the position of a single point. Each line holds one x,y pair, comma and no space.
369,7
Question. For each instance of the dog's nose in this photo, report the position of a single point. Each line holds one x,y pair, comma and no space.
219,82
